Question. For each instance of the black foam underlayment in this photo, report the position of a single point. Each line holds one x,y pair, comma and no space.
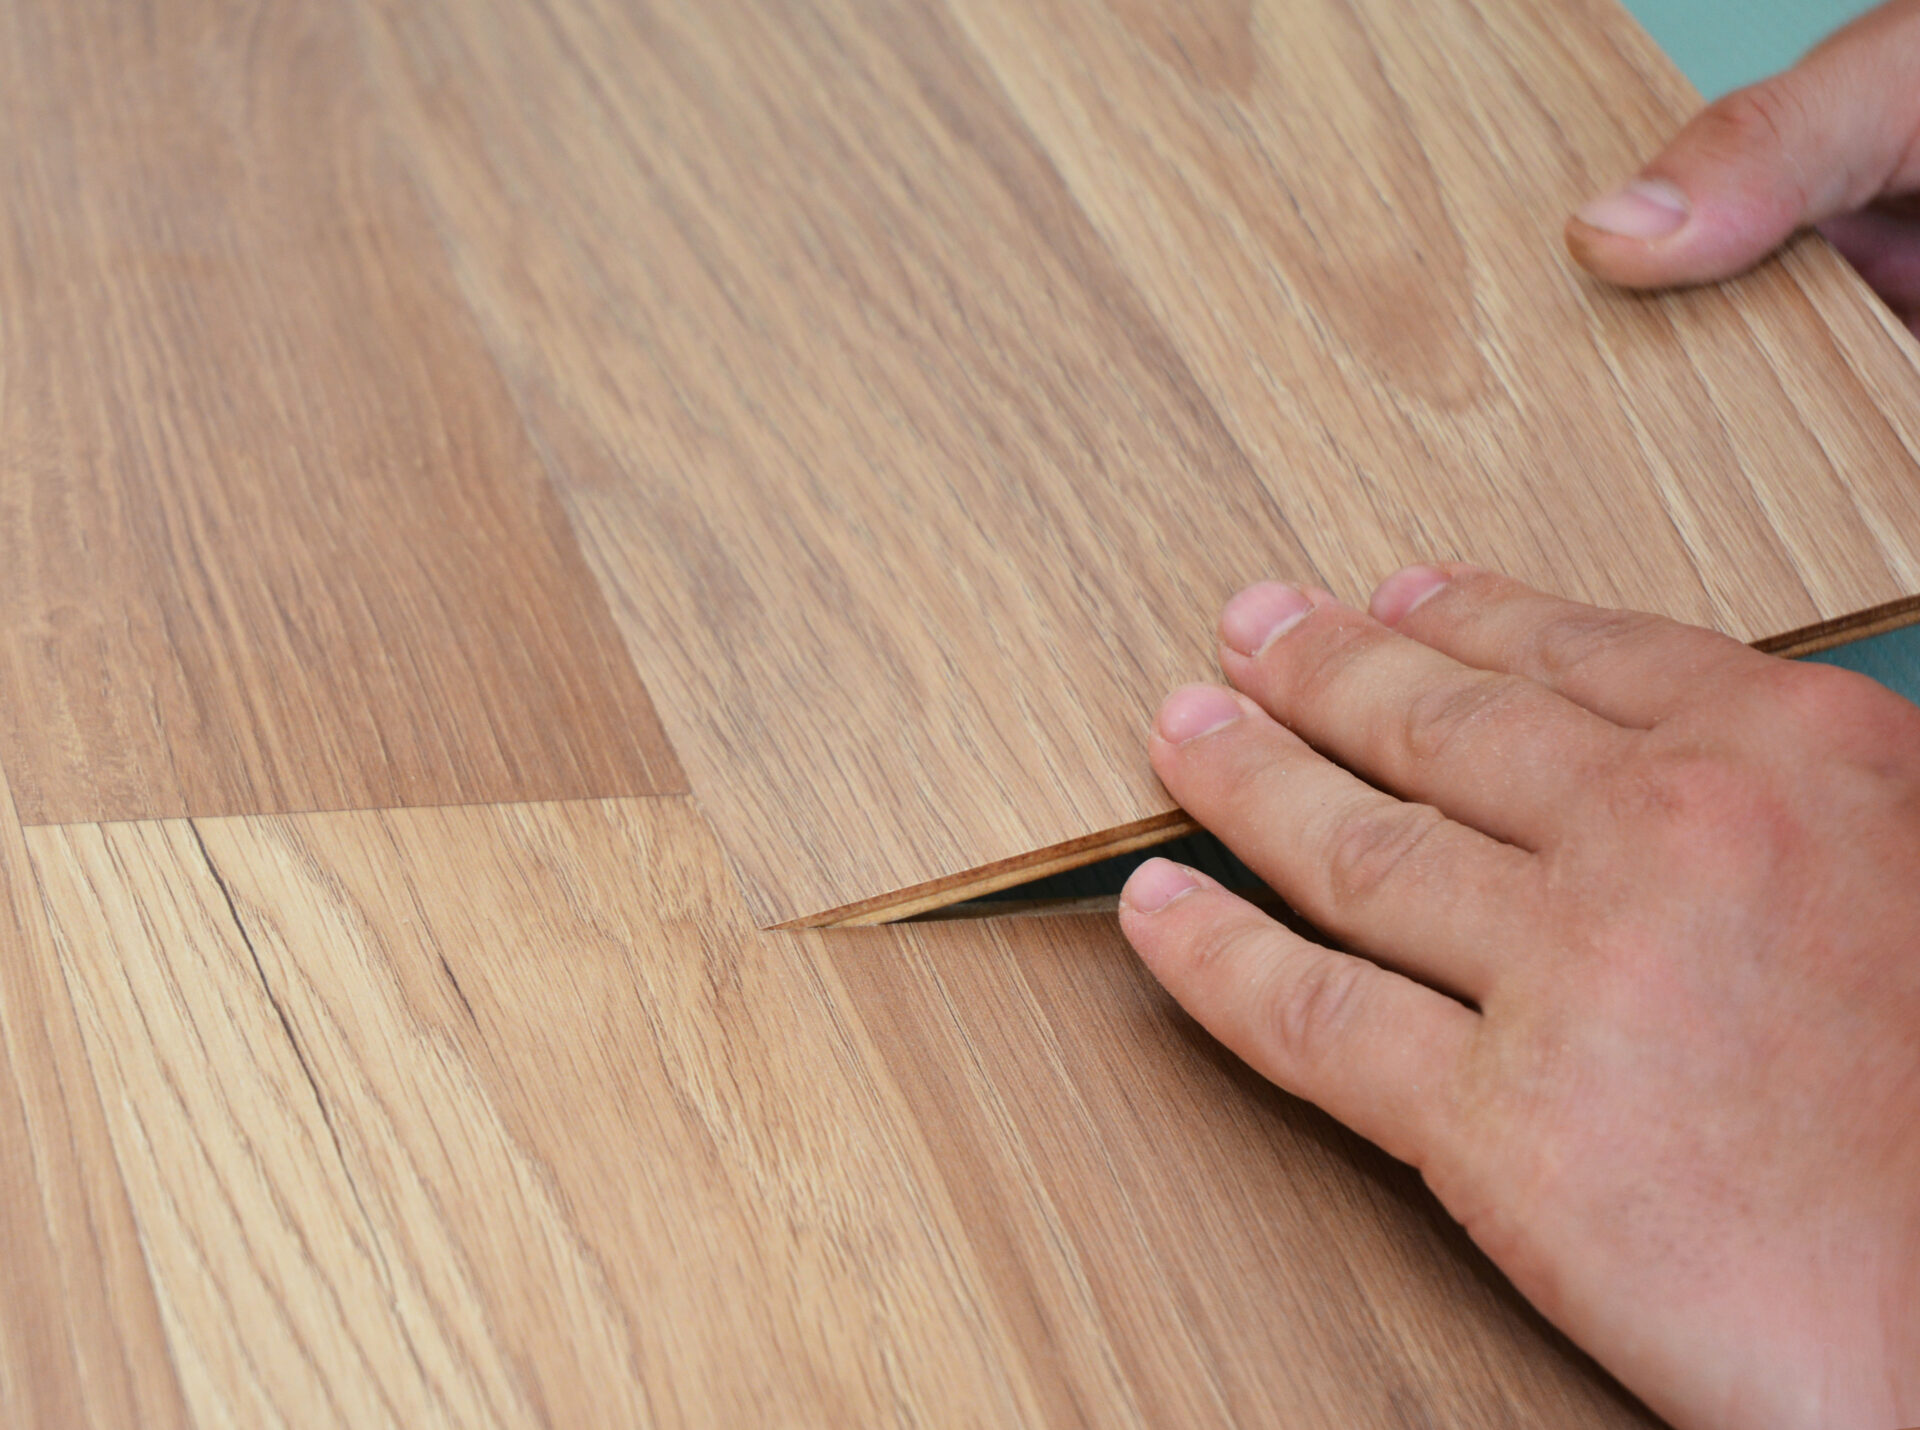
1104,880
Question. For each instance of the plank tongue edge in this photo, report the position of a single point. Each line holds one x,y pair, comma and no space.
1875,621
1002,873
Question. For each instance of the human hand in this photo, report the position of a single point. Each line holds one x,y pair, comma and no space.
1833,142
1638,990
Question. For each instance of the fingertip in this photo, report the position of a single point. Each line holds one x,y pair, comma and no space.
1160,909
1194,711
1740,179
1643,210
1158,883
1259,615
1398,595
1592,250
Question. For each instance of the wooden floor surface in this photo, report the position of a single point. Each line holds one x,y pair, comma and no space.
509,1116
501,502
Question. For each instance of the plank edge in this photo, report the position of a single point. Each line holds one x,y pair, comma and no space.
1002,873
1825,635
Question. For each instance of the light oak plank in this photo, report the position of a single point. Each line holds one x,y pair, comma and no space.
469,1117
483,1116
921,373
1354,233
80,1335
840,387
273,535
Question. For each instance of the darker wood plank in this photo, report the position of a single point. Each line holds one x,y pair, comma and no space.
884,465
274,535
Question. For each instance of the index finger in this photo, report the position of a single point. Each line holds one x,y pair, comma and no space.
1625,666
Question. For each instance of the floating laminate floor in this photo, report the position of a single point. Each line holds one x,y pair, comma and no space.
398,398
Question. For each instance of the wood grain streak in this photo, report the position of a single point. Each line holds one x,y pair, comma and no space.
508,1116
920,373
80,1335
274,536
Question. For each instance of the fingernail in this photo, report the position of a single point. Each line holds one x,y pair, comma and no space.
1645,209
1404,590
1260,615
1196,710
1157,883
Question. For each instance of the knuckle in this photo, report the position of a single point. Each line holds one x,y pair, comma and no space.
1816,693
1313,1009
1566,644
1760,115
1373,850
1218,947
1436,719
1834,709
1763,119
1696,803
1327,660
1680,786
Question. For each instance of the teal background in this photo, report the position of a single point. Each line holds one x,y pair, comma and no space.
1723,44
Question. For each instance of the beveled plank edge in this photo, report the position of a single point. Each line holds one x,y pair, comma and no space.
1103,844
1003,873
1875,621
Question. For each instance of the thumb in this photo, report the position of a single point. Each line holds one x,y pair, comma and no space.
1826,137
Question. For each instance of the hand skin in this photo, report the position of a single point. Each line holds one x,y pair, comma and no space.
1832,142
1634,968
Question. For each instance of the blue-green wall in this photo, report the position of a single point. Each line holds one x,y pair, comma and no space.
1723,44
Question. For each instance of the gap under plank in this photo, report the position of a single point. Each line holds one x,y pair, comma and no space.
1003,873
1095,888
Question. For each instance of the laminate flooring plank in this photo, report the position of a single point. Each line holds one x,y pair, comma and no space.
80,1334
275,536
482,1116
886,470
477,1117
1347,217
921,373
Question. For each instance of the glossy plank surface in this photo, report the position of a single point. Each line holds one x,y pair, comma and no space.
274,537
921,373
509,1116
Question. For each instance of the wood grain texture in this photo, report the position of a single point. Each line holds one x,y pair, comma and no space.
467,1117
921,374
1153,1206
80,1335
273,535
509,1116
